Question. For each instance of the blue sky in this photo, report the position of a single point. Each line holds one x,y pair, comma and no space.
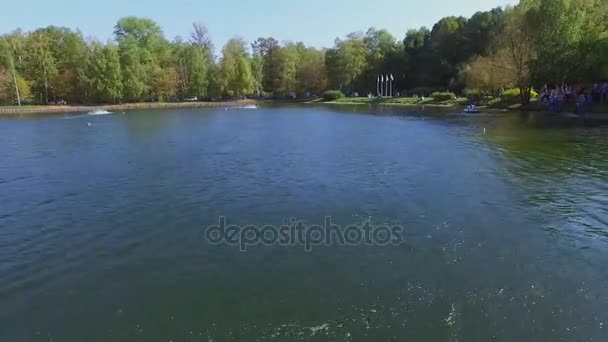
315,22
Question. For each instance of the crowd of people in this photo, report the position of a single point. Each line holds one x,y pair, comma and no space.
582,97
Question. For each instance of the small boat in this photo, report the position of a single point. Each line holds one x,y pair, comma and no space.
471,109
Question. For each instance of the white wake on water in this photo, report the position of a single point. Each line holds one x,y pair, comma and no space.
99,112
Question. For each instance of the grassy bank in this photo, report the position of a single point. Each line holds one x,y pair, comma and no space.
536,106
495,103
405,101
123,106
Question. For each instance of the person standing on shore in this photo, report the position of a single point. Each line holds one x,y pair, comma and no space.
580,103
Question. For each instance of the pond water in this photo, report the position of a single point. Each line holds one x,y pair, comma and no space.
503,217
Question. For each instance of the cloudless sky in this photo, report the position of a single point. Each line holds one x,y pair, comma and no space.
315,22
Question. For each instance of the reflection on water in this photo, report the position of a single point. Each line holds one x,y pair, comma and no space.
505,219
563,172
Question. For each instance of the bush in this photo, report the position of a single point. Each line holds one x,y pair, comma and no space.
332,95
443,96
513,93
424,91
474,95
265,95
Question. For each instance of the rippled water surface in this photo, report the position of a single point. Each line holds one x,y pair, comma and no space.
101,226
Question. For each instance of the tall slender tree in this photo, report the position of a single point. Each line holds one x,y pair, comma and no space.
236,77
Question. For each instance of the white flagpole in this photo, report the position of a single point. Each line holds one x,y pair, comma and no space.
377,85
391,87
386,86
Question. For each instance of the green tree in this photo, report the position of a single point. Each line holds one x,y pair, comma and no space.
103,73
346,62
516,44
143,50
166,84
198,68
8,73
490,74
311,73
379,44
235,75
40,64
449,45
199,56
287,61
134,78
537,42
257,69
598,67
418,58
267,49
14,47
215,81
565,33
481,30
191,64
68,50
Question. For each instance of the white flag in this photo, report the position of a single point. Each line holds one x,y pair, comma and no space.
382,78
392,79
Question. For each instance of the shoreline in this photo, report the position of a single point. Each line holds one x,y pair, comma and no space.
53,109
413,105
49,109
487,109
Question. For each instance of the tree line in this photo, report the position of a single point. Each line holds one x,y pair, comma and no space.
535,43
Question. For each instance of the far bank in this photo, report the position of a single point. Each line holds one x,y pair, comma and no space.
597,110
15,110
